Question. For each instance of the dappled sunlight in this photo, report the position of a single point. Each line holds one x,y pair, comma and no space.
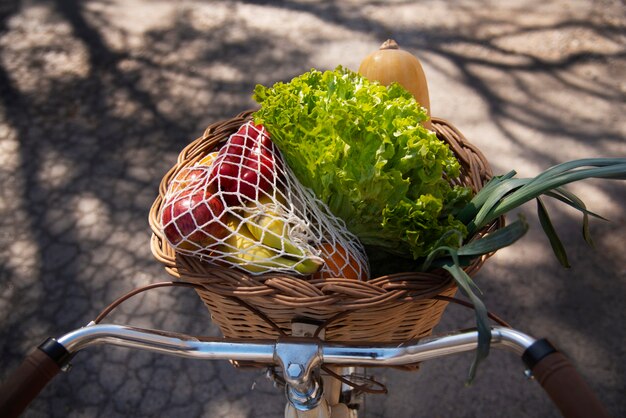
225,72
23,259
455,96
586,350
132,19
485,54
331,53
59,57
552,84
98,97
297,27
612,245
517,256
552,44
406,20
227,408
55,170
93,220
9,152
20,258
598,198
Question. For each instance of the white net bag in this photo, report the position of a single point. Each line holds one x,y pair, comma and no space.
243,207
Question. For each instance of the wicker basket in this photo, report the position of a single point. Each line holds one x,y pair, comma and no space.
392,308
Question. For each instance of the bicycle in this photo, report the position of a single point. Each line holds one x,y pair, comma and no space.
298,361
320,378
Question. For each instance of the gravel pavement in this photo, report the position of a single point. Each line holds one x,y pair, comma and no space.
98,97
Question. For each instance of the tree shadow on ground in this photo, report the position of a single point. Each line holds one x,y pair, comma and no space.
113,131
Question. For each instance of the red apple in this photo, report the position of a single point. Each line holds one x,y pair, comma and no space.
193,219
187,177
247,165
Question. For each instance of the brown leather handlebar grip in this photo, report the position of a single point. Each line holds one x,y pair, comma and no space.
25,383
567,389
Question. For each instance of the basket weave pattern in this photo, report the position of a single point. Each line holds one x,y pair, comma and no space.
392,308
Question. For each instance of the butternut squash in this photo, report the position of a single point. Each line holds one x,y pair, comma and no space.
390,63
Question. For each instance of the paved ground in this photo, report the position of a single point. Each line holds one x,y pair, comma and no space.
98,97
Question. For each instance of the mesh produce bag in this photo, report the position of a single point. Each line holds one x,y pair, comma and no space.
243,207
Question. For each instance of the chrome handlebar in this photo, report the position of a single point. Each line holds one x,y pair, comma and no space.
298,357
265,351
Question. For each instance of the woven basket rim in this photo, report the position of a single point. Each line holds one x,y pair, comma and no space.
285,290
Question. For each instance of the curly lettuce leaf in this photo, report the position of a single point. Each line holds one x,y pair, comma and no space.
361,148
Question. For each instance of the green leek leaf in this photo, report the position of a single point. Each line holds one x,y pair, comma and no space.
493,241
574,164
574,201
465,282
555,241
506,187
489,243
471,209
533,188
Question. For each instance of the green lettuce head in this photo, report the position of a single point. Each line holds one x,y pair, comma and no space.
361,148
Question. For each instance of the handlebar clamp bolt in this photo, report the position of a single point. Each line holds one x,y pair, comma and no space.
295,370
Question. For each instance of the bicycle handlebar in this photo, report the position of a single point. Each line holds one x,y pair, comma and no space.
263,351
556,375
25,383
